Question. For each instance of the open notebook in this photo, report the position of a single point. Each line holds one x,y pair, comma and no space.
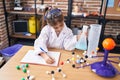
33,58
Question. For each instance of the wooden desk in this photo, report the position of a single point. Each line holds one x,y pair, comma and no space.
9,71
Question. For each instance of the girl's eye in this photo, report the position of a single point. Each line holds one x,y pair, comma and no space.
56,27
61,25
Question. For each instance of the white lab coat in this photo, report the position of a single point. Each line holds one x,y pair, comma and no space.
48,38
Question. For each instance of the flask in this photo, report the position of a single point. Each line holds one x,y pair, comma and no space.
82,42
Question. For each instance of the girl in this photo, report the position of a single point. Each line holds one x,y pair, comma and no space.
54,34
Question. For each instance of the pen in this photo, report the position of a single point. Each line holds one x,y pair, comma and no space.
43,50
46,52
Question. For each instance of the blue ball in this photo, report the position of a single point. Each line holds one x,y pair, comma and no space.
78,61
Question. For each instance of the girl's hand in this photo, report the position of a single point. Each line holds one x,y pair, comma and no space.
47,58
78,36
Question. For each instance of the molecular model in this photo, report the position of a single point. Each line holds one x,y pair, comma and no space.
24,69
59,70
78,61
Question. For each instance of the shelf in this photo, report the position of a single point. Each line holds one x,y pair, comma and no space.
118,45
113,17
87,17
23,12
31,12
40,13
33,36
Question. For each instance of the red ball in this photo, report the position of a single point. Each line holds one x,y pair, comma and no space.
61,63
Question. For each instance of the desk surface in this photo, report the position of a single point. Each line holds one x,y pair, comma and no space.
9,71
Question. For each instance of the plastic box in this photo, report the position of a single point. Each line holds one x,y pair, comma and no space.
8,52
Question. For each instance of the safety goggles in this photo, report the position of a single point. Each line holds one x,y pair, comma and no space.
53,13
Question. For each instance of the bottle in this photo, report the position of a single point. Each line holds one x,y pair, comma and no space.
32,25
76,8
82,42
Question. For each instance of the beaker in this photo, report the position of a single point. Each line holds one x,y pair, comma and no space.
82,42
93,39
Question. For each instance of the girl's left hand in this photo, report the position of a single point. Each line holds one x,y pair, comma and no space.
78,36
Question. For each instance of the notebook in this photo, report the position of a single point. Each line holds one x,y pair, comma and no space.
33,58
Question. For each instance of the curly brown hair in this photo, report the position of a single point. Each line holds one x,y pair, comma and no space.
52,16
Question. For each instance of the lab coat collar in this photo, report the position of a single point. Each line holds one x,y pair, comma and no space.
64,30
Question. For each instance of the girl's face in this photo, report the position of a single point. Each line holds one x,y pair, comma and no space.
58,28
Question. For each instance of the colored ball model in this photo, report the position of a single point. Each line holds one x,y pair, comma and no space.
108,44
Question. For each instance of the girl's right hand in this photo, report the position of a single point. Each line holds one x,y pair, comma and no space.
47,58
